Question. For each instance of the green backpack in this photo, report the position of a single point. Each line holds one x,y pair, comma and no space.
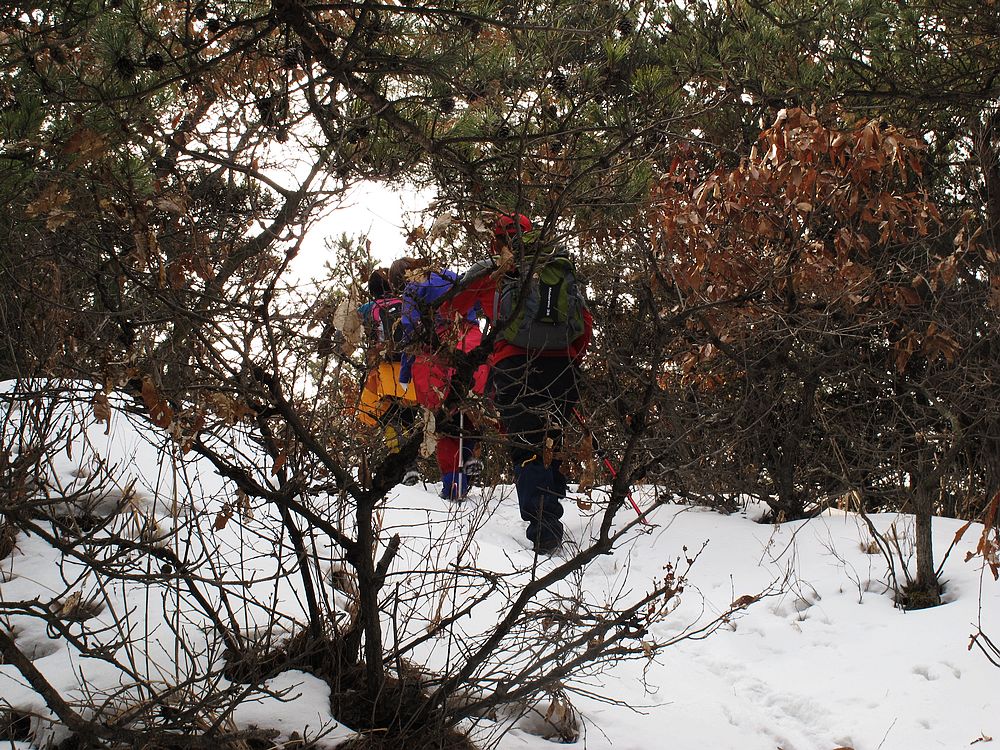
545,311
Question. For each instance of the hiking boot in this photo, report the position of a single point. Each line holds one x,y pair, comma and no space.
547,547
473,467
411,477
453,495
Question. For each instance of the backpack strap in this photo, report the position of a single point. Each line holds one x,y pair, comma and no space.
477,270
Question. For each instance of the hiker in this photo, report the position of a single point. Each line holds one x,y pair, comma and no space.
430,374
384,400
542,329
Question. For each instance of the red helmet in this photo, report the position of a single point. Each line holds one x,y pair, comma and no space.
511,224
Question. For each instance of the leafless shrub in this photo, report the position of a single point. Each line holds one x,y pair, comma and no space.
15,725
8,539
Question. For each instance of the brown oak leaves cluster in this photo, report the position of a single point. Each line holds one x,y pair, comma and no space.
816,221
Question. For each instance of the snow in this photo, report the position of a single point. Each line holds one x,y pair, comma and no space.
822,661
820,658
303,709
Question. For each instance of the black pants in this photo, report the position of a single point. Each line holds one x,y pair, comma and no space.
535,397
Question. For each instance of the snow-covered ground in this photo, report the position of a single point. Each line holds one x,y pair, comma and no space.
822,660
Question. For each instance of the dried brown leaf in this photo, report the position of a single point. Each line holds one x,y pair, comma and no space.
223,517
50,200
279,463
102,411
86,145
159,410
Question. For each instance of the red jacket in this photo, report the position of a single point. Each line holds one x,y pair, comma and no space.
481,292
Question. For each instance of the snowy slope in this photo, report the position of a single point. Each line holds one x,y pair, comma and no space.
822,660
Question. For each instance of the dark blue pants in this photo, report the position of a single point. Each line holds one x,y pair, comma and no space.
535,396
539,490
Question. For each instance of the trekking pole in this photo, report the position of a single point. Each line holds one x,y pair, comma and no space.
603,455
461,451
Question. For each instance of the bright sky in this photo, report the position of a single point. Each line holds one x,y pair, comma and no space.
368,208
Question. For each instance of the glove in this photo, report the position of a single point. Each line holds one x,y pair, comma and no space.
405,370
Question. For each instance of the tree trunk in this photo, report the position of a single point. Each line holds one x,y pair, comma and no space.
989,162
368,588
925,589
